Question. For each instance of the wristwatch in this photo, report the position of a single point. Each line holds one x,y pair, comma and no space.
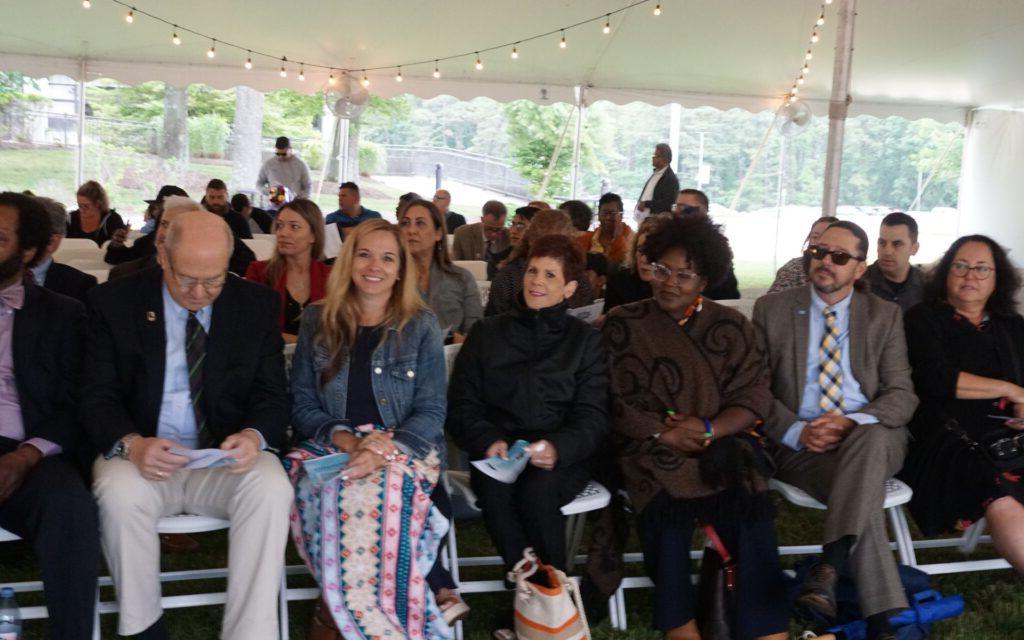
122,449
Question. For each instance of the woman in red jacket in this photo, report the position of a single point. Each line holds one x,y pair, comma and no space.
296,270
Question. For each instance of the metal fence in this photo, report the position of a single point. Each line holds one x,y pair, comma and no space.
478,170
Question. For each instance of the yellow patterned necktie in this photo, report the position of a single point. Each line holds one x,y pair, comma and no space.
830,371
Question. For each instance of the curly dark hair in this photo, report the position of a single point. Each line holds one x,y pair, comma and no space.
566,251
1003,301
705,245
34,226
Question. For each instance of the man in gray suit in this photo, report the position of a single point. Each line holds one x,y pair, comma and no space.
481,240
843,393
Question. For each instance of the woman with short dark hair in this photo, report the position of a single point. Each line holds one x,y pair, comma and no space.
966,347
689,384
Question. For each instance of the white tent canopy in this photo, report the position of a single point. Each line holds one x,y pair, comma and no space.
915,58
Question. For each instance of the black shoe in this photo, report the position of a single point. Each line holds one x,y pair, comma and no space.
156,631
818,593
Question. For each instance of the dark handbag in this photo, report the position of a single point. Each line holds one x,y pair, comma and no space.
716,590
1001,447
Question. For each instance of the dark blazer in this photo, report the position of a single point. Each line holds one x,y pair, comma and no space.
243,375
665,192
454,220
263,220
47,348
142,247
69,281
878,356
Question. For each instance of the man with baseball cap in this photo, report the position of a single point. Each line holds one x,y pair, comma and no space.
286,170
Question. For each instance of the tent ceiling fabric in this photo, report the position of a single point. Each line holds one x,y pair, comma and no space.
918,58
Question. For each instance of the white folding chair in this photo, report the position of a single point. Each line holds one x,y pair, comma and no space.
78,248
485,290
477,267
262,245
450,352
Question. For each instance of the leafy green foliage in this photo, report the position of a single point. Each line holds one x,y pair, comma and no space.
208,136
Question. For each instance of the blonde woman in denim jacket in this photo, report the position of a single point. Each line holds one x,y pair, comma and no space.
368,381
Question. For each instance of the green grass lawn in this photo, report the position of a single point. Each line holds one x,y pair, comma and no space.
995,600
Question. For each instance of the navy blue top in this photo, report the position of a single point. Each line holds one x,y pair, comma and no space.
362,405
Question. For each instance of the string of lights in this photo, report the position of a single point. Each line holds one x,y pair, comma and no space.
176,29
794,92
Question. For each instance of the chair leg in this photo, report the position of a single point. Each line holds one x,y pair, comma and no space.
283,605
904,543
620,600
969,541
573,537
452,560
96,616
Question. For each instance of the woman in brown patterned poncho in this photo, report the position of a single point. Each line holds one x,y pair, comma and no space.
688,384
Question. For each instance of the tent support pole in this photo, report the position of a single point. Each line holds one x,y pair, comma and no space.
80,155
838,105
581,113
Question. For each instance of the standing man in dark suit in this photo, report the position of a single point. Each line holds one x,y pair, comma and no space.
42,496
843,393
169,368
59,278
660,190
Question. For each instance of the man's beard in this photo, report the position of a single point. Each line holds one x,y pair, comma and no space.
221,210
10,267
831,287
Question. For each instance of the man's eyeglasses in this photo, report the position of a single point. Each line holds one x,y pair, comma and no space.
661,273
839,258
961,269
186,283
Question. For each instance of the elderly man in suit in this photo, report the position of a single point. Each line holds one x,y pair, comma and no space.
843,393
42,496
660,190
170,369
481,240
59,278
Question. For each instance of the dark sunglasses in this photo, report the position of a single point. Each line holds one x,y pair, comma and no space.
839,258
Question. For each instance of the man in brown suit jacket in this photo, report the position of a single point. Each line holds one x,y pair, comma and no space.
843,393
481,240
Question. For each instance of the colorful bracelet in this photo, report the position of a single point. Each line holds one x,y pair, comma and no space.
709,432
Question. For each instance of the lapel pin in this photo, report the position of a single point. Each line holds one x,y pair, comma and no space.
151,316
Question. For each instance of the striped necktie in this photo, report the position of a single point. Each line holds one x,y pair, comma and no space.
830,371
195,354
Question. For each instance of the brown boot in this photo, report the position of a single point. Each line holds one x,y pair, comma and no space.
322,626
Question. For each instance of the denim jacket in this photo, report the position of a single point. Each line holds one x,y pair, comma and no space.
409,385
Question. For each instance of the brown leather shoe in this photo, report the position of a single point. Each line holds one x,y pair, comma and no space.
818,593
178,543
322,626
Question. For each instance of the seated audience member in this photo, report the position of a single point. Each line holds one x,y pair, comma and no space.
597,273
537,374
793,274
295,270
259,221
582,216
93,219
520,223
837,427
540,205
449,291
508,282
173,206
452,221
482,240
688,386
42,496
966,344
167,368
631,281
59,278
372,322
612,236
404,200
690,198
892,277
117,250
216,201
350,211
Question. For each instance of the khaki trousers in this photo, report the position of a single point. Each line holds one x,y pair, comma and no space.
257,503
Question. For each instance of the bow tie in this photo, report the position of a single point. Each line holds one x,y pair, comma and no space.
13,296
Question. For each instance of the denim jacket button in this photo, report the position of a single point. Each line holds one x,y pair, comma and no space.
378,371
410,373
383,400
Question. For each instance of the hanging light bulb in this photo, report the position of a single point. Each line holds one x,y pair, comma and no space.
828,1
398,76
808,55
814,37
86,4
800,80
212,53
515,53
479,65
175,39
607,24
562,42
130,17
283,72
821,20
248,61
806,69
794,90
302,72
365,81
331,80
437,72
657,9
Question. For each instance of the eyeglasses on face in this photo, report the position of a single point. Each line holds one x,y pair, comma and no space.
839,258
981,271
187,283
661,273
